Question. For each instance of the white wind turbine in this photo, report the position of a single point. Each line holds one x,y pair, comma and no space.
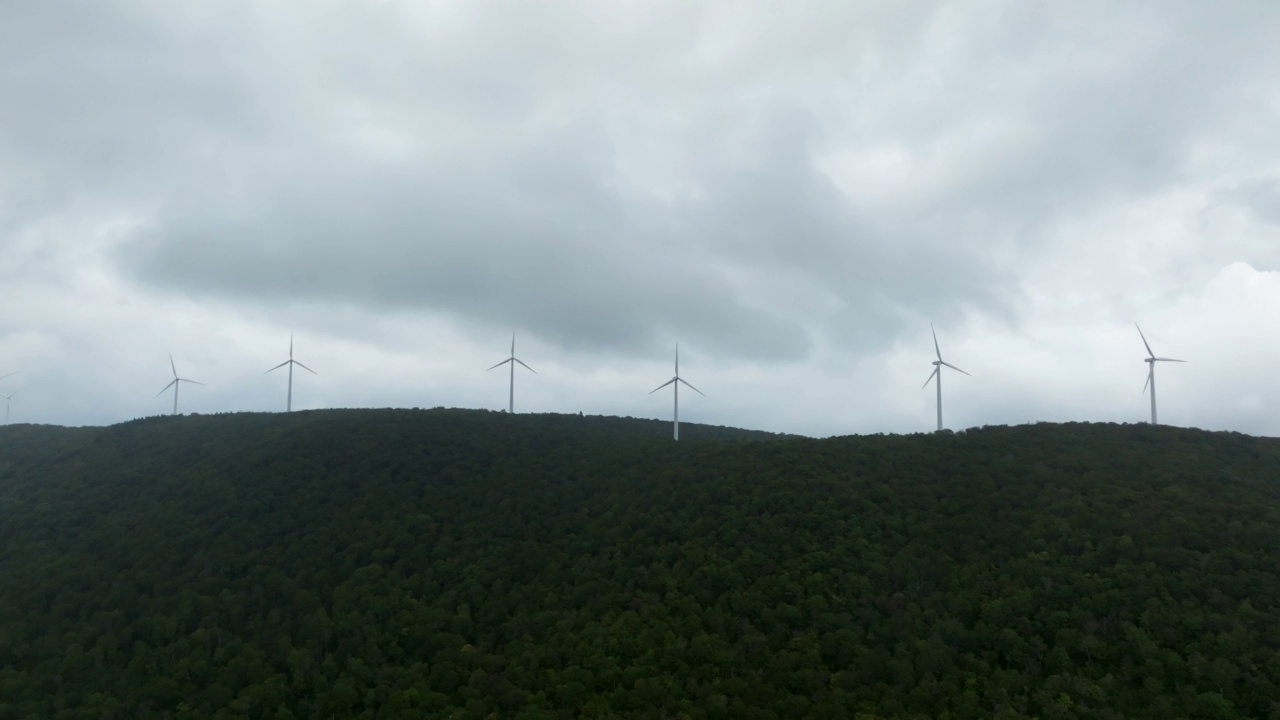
511,394
7,397
675,382
174,384
1151,371
937,373
288,403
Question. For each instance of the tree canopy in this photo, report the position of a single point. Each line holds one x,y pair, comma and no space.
468,564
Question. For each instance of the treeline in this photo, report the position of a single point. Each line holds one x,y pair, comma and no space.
443,563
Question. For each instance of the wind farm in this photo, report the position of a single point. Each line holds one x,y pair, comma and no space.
675,381
784,198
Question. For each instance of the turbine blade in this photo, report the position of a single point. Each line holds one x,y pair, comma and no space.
953,367
1150,352
193,382
304,367
172,366
166,387
1169,360
662,386
513,344
504,362
926,382
686,382
15,372
526,367
1150,372
290,346
936,349
286,362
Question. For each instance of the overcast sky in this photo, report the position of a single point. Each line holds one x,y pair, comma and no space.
790,191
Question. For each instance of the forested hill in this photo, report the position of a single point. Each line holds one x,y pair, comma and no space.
444,563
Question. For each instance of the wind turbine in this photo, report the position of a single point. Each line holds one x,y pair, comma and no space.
1151,371
6,397
288,403
511,395
675,382
937,372
174,384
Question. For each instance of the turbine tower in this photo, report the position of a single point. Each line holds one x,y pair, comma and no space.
937,373
174,384
675,382
1151,371
511,394
288,403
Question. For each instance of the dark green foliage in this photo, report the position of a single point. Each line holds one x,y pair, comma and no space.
420,564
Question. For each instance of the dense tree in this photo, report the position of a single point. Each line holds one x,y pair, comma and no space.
402,564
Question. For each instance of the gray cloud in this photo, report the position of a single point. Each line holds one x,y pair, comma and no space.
533,225
773,186
1261,197
557,243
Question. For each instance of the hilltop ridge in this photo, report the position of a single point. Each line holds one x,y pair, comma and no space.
402,563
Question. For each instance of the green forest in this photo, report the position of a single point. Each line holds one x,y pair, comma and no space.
469,564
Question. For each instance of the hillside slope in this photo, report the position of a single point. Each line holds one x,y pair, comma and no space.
400,564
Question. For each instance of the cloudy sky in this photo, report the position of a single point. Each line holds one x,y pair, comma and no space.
790,191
